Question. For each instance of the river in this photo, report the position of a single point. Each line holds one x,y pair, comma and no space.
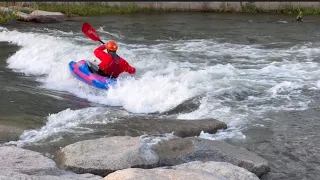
258,73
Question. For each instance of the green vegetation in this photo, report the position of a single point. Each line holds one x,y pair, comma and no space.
95,8
6,16
291,10
250,7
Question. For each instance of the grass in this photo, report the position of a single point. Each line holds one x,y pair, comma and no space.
4,17
250,7
93,8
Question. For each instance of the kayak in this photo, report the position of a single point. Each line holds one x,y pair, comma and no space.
88,75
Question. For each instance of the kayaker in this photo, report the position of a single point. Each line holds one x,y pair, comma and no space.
111,64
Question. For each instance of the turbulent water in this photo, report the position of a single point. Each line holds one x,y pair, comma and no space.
259,74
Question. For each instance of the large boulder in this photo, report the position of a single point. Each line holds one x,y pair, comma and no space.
18,163
45,17
185,150
188,171
105,155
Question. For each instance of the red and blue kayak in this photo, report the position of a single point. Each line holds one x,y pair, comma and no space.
84,73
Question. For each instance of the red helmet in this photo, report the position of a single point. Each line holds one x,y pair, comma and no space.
112,46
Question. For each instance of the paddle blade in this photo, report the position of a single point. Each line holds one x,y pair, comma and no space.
89,31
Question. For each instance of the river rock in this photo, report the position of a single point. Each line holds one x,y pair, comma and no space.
26,162
18,163
105,155
183,128
16,176
21,16
185,150
189,171
9,133
39,16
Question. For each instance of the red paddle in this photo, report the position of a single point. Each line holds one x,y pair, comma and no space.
89,31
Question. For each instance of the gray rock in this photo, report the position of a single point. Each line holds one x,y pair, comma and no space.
14,159
15,176
105,155
182,128
9,133
18,163
21,16
45,17
185,150
189,171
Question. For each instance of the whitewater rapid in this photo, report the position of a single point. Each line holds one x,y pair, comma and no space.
235,83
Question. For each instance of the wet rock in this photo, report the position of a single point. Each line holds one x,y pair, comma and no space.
185,150
188,171
39,16
9,133
18,163
105,155
179,127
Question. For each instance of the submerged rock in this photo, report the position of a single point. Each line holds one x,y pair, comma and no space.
18,163
188,171
185,150
9,133
105,155
179,127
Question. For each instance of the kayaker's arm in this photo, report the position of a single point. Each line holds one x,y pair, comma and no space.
127,68
103,56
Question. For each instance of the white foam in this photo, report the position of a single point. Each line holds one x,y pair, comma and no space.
151,140
65,122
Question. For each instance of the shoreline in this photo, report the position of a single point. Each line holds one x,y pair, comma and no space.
228,7
72,9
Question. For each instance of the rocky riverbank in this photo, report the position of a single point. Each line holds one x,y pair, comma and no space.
139,157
